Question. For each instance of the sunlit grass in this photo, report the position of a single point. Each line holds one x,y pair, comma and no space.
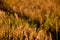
29,19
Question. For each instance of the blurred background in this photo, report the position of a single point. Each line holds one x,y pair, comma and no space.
29,19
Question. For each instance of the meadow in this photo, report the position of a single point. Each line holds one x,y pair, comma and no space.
29,19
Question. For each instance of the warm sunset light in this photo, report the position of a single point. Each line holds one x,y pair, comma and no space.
29,19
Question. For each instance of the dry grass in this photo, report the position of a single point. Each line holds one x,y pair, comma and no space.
29,19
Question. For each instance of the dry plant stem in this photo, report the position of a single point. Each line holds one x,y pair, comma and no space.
56,30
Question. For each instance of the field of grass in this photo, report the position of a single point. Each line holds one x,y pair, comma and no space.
29,19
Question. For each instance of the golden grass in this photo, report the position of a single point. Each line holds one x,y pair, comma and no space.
29,19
